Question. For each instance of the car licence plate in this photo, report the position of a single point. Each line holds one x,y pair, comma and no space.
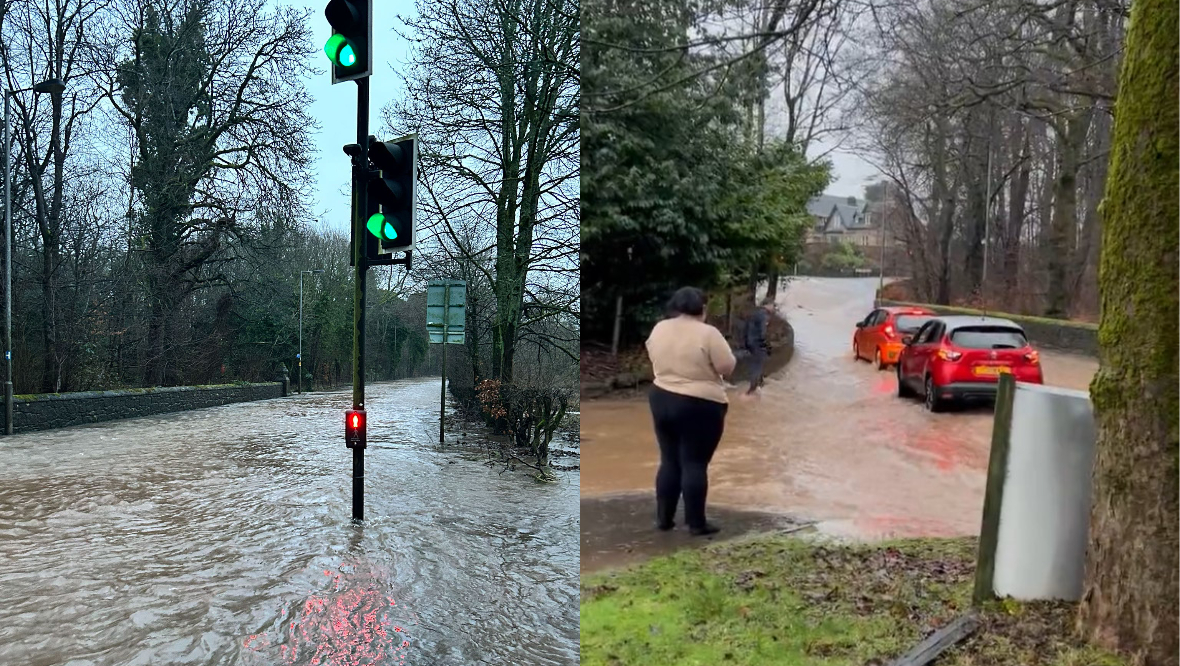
992,370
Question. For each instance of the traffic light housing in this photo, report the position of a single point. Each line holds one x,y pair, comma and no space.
349,47
390,214
354,429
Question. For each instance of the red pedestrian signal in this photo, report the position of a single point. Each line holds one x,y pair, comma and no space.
354,428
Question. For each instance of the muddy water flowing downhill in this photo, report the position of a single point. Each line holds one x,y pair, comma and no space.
222,536
829,440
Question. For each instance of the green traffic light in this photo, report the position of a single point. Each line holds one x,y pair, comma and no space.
381,227
340,51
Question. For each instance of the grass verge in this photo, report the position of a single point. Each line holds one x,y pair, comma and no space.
786,601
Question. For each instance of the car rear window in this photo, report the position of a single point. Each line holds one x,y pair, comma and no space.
910,323
989,337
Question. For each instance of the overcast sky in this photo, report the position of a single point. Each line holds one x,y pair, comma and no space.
850,173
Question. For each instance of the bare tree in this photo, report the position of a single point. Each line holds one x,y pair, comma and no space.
493,92
43,42
1021,92
212,93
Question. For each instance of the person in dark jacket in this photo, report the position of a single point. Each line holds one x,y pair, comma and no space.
756,345
688,405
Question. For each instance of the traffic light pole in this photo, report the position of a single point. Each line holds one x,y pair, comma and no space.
360,181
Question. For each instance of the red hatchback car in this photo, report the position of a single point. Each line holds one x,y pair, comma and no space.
878,336
954,359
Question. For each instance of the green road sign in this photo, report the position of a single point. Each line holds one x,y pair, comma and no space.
446,311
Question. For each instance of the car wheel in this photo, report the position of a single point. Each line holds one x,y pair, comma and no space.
903,389
877,360
855,351
933,402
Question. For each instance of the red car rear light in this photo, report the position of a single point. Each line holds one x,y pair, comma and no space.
888,331
1032,358
949,354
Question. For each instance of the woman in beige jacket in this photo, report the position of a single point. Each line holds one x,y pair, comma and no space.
688,406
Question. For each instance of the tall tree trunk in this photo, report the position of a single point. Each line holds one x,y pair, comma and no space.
1063,226
154,368
1132,566
49,225
976,226
50,374
1016,207
165,299
977,163
1084,270
944,195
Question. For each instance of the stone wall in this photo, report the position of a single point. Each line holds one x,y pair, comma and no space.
1071,336
59,410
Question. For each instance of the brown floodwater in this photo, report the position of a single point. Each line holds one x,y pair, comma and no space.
222,536
828,440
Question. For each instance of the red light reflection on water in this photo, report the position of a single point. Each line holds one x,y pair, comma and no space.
886,384
350,624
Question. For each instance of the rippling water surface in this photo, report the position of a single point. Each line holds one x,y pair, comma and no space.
222,536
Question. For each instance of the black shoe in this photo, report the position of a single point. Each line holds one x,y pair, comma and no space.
665,513
704,530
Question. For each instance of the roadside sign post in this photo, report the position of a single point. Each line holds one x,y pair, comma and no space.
442,394
446,316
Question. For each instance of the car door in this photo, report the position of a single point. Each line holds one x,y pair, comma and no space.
928,346
911,358
871,333
866,339
862,337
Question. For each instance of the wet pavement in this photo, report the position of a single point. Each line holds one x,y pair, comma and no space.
222,536
828,441
617,531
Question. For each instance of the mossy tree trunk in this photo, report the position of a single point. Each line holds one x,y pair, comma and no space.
1129,601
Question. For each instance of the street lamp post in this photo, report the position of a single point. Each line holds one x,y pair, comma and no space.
55,87
881,233
299,356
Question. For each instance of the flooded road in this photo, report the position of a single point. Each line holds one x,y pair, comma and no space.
222,536
829,440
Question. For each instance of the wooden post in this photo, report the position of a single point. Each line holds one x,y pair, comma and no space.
614,340
997,468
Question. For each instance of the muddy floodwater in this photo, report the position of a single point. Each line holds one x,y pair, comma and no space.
222,536
829,441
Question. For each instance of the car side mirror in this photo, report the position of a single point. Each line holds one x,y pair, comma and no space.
860,324
907,340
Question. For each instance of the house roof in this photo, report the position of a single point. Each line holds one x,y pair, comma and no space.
851,215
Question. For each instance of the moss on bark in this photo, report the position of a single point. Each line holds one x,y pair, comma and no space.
1132,564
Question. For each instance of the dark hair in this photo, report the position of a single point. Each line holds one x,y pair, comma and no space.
687,301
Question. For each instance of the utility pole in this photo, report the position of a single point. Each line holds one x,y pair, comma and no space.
884,221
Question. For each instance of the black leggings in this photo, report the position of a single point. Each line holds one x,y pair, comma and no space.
688,430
